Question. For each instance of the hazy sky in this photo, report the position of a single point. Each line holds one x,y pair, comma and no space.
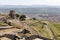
30,2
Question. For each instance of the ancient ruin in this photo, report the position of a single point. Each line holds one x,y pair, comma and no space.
12,14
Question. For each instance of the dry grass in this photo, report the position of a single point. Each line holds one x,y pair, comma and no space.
3,24
37,26
16,26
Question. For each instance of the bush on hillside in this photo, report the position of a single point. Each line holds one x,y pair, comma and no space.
22,17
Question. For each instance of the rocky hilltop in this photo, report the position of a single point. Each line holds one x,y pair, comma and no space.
17,27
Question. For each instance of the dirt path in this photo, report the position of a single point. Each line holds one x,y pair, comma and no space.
2,27
9,31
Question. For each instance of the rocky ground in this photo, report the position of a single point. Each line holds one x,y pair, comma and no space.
24,33
14,29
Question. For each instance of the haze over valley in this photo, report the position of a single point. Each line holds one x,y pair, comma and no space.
38,11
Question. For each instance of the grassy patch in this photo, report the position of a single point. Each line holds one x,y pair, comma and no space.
55,27
16,26
39,30
3,24
37,26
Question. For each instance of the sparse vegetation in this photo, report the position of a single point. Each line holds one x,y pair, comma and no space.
16,26
22,17
34,18
17,15
56,28
43,28
37,26
3,24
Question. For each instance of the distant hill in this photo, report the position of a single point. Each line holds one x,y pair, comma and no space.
32,11
36,9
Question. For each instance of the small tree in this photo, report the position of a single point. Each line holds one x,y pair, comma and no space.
22,17
17,15
34,18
